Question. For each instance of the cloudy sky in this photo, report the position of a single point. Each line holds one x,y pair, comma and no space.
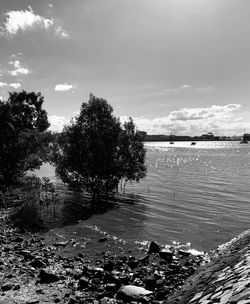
180,66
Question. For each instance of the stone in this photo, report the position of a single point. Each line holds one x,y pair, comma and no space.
6,287
46,276
109,266
153,247
83,282
61,244
132,292
103,239
166,254
37,263
184,253
150,282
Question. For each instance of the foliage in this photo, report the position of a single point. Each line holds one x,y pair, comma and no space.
23,140
95,152
40,190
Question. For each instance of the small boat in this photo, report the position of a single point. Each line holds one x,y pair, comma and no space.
244,141
171,142
193,143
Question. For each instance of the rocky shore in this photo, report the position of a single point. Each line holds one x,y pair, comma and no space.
34,272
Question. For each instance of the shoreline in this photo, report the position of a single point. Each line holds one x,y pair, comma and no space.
34,272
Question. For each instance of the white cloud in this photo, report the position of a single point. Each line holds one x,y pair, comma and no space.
217,119
3,84
64,87
57,122
25,20
185,86
61,33
19,69
204,113
16,85
15,63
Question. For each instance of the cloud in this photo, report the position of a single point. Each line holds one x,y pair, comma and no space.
64,87
16,85
195,121
19,69
204,113
26,20
57,122
60,32
3,84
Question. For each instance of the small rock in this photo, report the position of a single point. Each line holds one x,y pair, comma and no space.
153,247
184,253
61,244
166,254
6,286
83,282
46,276
132,292
109,266
150,282
16,287
37,263
104,239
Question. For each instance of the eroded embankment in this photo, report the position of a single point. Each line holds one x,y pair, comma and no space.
226,279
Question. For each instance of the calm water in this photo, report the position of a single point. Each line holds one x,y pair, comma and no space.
197,194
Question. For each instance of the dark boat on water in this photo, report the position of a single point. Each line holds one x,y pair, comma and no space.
193,143
245,138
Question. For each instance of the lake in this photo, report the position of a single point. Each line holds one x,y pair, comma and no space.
192,193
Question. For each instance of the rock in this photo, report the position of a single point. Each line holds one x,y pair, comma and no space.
153,247
109,266
104,239
46,276
26,254
6,286
61,244
83,282
132,292
37,263
166,254
132,263
16,287
184,253
150,282
110,287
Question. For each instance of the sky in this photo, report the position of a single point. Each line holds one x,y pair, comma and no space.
174,66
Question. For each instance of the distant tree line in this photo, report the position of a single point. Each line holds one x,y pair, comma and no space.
94,152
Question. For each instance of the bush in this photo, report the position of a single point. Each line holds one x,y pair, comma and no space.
23,139
95,152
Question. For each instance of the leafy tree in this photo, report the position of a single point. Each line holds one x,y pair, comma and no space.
132,153
94,150
23,123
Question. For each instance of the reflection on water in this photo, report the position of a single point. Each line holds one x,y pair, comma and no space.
197,194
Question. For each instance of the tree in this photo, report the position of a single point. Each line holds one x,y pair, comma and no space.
23,123
94,148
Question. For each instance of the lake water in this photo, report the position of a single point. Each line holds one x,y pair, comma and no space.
192,193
